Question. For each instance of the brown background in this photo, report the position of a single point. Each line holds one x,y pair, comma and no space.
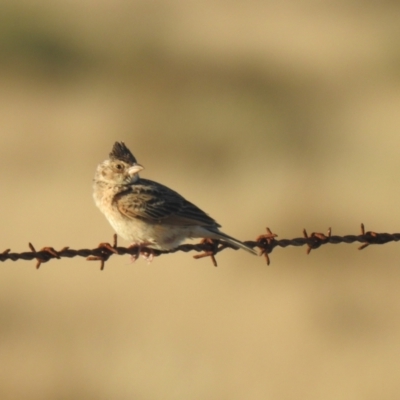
280,114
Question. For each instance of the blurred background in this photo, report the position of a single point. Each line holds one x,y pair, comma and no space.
263,113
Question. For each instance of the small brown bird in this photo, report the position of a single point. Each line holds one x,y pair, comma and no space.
147,213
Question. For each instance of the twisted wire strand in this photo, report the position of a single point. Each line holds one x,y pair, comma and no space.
208,247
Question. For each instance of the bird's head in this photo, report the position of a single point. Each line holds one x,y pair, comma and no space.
121,168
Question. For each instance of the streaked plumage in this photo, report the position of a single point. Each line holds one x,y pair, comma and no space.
145,212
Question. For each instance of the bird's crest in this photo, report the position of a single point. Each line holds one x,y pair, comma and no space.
122,153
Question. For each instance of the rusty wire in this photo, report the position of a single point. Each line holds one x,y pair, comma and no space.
208,248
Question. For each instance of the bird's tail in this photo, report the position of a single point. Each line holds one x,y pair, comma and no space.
237,244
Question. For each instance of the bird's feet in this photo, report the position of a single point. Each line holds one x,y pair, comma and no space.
143,250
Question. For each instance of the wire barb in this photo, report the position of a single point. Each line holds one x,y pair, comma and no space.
374,238
44,255
266,243
208,248
211,251
103,256
316,239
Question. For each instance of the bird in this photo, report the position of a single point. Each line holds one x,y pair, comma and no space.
147,213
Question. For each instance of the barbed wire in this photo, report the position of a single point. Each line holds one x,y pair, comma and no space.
208,247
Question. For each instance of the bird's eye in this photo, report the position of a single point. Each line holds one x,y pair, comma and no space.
119,167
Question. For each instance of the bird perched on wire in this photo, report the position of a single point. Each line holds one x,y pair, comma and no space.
147,213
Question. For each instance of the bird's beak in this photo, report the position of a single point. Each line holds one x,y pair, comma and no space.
135,169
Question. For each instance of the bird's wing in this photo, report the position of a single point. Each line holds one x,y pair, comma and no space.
151,201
